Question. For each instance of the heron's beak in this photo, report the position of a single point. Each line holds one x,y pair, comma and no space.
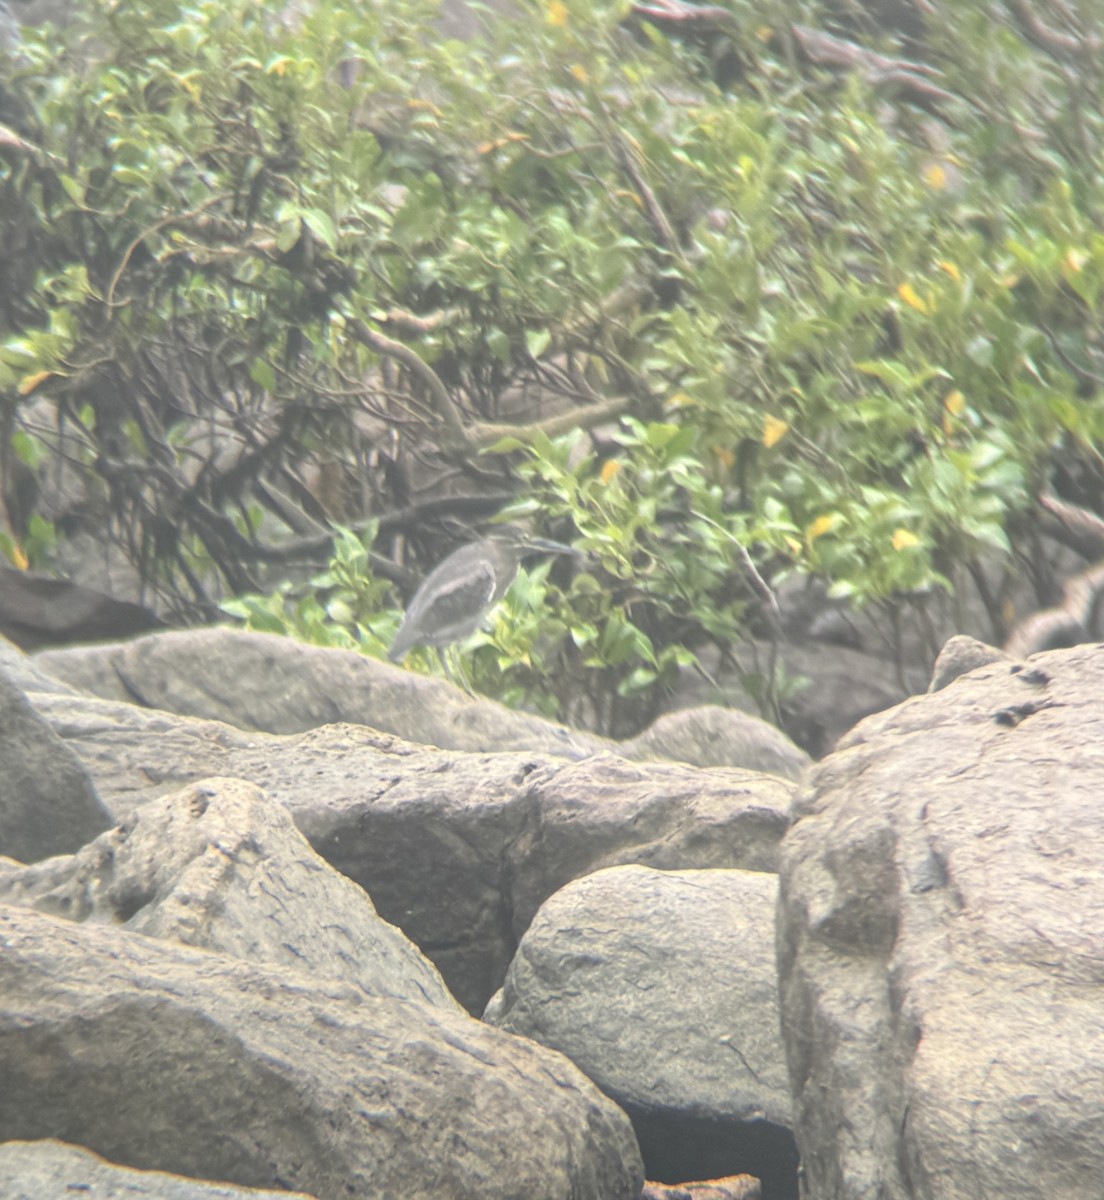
547,546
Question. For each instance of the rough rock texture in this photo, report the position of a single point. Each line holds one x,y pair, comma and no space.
48,804
961,655
734,1187
52,1170
273,684
159,1056
26,674
458,850
660,986
39,610
607,812
941,944
711,736
222,867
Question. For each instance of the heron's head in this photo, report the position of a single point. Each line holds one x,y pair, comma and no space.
521,542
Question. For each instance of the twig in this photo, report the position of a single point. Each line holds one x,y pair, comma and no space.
1082,374
412,323
1055,43
171,219
673,10
442,402
823,49
486,433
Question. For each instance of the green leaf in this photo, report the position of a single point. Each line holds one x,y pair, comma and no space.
322,226
73,189
537,341
28,449
498,342
505,445
263,375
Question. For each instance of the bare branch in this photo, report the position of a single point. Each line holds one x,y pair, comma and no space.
442,401
486,433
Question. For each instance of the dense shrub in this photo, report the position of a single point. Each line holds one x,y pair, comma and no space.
725,308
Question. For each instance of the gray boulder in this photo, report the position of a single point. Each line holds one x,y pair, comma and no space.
457,850
661,987
37,610
961,655
222,867
272,684
48,803
264,682
162,1057
711,736
941,926
52,1170
26,674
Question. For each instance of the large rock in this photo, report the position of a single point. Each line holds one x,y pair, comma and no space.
606,812
162,1057
264,682
39,610
711,736
53,1170
961,655
458,850
221,866
272,684
26,674
48,803
941,944
661,987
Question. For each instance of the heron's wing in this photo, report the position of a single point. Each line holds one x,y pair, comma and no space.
447,607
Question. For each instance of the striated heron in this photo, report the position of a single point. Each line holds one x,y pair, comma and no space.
457,594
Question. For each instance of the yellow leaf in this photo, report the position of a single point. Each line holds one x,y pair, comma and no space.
579,72
774,430
904,538
557,14
935,175
793,544
609,469
908,294
954,405
498,143
951,270
724,456
1076,259
819,527
681,400
764,33
29,382
19,557
622,192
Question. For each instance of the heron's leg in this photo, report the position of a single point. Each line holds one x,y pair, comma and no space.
458,662
459,677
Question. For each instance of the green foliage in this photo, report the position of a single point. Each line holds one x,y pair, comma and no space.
846,332
341,606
